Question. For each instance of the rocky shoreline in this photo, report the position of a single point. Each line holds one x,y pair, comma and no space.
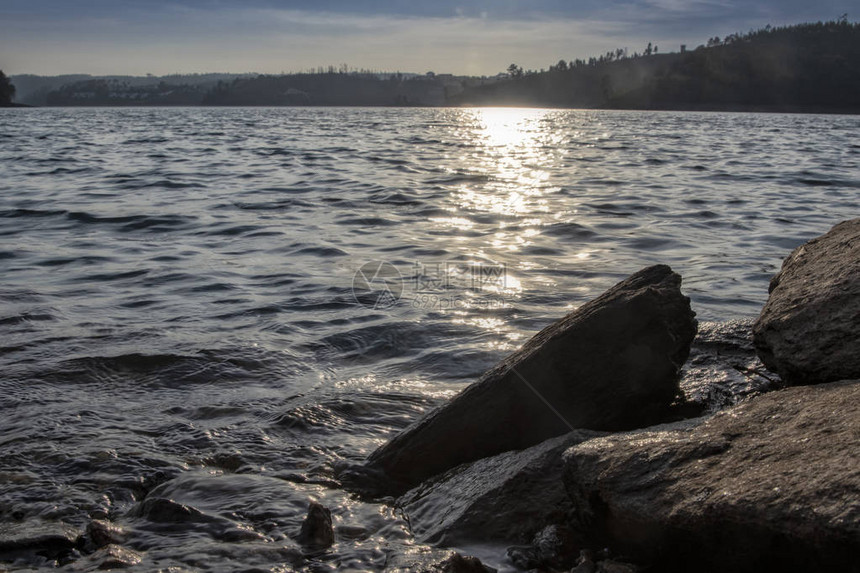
743,458
626,437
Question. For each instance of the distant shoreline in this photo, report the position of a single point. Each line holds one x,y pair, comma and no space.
805,68
800,110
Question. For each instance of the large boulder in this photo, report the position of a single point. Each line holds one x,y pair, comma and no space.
612,364
809,330
508,497
770,484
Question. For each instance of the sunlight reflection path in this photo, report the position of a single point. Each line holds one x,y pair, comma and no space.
501,196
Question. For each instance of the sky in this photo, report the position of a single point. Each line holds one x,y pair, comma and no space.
474,37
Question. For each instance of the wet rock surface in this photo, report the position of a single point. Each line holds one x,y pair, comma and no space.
808,330
612,364
114,557
770,483
49,540
553,548
429,560
508,497
723,368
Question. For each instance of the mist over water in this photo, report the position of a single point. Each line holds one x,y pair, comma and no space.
178,315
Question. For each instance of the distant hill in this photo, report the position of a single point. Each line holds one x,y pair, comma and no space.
807,67
332,89
114,92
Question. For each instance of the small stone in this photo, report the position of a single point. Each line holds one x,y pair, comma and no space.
523,557
585,563
610,566
317,531
103,533
556,546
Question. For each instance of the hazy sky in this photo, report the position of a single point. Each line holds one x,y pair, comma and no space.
478,37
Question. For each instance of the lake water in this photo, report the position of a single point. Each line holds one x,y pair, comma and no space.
221,304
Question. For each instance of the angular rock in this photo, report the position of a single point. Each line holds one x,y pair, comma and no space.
612,364
317,531
809,330
770,484
508,497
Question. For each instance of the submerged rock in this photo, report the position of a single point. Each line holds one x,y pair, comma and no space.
48,539
769,484
612,364
115,557
463,564
317,531
428,560
508,497
809,330
162,510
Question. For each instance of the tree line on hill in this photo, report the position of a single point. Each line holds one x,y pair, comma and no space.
805,67
7,90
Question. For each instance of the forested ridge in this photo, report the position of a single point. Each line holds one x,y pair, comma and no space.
813,67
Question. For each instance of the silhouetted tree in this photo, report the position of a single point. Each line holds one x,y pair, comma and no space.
7,90
515,71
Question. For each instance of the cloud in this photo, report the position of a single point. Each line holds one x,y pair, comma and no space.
270,36
187,38
694,7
